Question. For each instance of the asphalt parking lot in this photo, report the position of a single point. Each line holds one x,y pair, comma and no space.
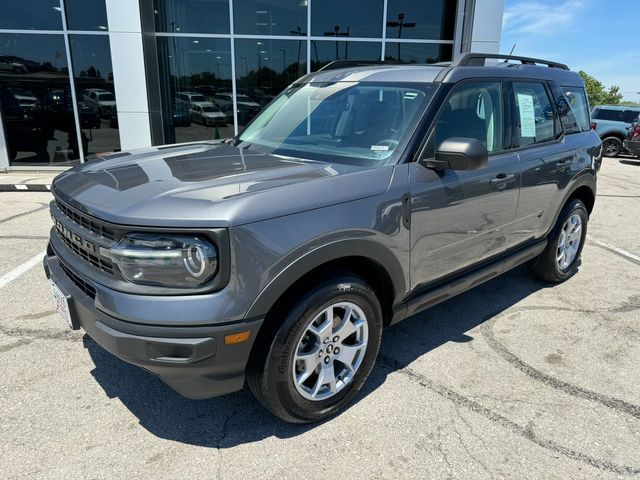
510,380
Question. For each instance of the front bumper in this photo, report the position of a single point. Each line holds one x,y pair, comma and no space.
193,360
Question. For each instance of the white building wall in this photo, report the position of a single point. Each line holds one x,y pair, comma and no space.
127,57
483,27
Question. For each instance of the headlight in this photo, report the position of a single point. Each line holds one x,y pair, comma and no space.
168,260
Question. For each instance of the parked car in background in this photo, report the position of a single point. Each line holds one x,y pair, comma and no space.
280,255
105,102
8,64
191,99
208,115
181,115
632,144
89,116
247,107
612,124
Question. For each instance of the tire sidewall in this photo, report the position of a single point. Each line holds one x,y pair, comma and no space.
575,207
281,355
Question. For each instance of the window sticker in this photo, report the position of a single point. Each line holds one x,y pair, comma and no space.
527,115
380,148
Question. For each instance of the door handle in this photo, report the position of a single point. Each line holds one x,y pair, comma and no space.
501,181
564,163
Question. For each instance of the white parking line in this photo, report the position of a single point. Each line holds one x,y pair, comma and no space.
619,251
20,269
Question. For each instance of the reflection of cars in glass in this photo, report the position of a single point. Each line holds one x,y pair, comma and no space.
247,108
189,99
208,115
89,116
181,115
104,101
7,64
28,101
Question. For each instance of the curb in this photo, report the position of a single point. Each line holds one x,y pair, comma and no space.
21,187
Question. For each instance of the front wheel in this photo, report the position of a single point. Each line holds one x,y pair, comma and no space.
559,260
611,147
322,353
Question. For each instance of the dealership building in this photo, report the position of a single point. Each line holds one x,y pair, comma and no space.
82,77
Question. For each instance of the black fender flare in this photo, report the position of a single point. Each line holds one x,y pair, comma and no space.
361,247
584,179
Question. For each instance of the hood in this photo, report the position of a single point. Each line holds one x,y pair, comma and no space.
209,185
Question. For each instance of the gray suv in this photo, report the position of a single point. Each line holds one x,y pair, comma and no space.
359,196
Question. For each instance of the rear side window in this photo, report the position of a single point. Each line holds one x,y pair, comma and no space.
536,117
606,114
630,116
578,110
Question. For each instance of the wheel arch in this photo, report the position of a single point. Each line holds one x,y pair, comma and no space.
368,259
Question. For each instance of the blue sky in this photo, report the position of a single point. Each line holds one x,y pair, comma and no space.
601,37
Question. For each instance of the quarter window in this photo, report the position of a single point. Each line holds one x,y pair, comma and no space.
535,116
474,110
578,111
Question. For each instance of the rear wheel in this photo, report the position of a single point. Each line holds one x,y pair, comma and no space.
559,260
321,355
611,147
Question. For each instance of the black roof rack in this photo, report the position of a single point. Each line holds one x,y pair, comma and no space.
358,63
478,60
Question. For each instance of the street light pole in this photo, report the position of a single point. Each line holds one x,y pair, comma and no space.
400,24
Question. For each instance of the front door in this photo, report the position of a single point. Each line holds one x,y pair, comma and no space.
460,218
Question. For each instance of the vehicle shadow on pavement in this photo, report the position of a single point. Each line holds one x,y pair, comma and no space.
227,421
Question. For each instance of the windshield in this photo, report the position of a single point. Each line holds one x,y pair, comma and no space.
209,109
198,98
106,97
344,122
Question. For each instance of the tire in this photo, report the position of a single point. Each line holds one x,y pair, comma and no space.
611,147
271,370
550,266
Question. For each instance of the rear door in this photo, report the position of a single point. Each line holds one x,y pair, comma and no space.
460,218
547,157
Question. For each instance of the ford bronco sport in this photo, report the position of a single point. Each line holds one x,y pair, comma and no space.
359,196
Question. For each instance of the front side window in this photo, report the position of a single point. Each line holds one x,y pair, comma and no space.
535,114
343,122
473,110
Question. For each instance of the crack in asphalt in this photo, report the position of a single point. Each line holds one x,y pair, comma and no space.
390,363
22,214
610,402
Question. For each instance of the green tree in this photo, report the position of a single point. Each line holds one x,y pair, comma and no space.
596,92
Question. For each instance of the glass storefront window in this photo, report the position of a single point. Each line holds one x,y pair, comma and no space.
30,14
191,16
35,100
264,68
323,52
270,17
86,14
418,52
432,20
95,94
195,83
355,18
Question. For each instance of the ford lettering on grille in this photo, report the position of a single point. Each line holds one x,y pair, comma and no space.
75,238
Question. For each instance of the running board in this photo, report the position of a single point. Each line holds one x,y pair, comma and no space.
429,297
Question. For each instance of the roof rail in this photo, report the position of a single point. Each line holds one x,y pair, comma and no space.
478,60
358,63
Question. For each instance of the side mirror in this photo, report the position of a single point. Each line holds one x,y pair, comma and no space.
458,153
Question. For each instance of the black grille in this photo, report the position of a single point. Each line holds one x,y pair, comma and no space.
98,262
87,222
89,290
